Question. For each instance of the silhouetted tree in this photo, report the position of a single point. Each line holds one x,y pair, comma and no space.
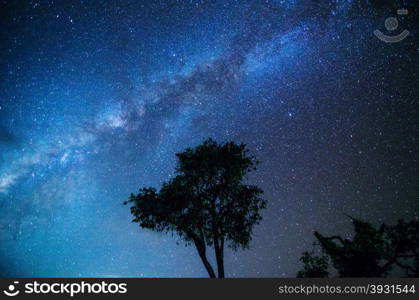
373,252
314,266
207,203
402,246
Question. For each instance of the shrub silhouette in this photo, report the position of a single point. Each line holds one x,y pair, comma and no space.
314,266
373,252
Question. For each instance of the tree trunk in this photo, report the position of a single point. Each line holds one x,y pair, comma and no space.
202,254
219,248
219,253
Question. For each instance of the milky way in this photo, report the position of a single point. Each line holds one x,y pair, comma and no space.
97,97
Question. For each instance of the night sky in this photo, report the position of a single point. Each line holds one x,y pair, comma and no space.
96,97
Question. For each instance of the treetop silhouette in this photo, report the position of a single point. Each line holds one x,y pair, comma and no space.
207,203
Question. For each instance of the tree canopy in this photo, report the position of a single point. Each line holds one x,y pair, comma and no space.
208,203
